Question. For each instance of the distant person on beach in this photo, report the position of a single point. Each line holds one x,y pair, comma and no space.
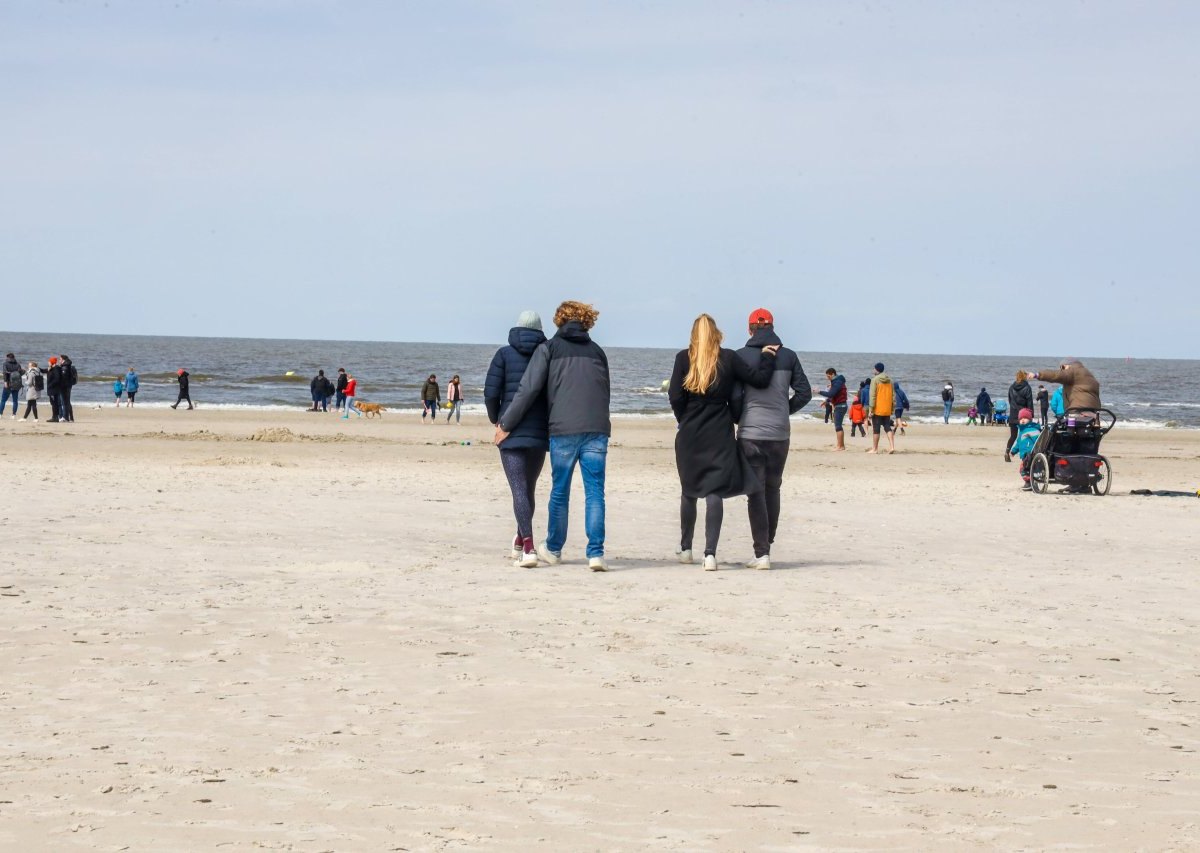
712,462
70,377
350,392
858,417
1027,436
184,389
1020,396
53,380
765,428
340,389
132,383
972,416
1056,403
900,401
523,453
984,404
13,376
316,390
947,400
327,391
431,395
118,387
1043,401
572,371
881,405
835,399
34,383
454,396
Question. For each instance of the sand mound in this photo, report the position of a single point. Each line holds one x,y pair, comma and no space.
274,434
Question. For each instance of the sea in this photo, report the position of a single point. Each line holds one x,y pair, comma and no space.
274,374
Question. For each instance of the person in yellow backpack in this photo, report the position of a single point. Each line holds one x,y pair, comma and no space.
881,403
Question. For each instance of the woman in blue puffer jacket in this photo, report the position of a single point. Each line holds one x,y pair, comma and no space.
523,453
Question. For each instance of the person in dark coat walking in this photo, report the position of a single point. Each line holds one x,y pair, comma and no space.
431,395
70,376
1020,396
184,389
523,453
711,465
54,381
984,404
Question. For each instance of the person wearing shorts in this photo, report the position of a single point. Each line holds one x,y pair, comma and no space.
881,398
835,399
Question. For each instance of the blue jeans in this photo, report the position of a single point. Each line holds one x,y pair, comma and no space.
949,404
839,416
4,400
589,450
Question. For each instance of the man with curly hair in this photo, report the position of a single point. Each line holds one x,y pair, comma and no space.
572,371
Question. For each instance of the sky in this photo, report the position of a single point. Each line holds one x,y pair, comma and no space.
949,177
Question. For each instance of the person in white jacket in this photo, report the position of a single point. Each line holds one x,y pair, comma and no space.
32,392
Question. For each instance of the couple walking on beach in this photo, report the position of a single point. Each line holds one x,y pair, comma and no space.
554,395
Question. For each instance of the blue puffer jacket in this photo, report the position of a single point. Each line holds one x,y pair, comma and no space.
504,378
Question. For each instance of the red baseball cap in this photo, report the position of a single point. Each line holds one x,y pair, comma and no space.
761,315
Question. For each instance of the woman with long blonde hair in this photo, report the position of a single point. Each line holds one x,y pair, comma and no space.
709,461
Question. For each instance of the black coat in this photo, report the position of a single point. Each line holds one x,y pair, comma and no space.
707,455
504,378
183,383
1020,396
54,379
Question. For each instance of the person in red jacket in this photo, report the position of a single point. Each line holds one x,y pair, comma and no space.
351,390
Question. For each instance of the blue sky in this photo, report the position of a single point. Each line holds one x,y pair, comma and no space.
913,177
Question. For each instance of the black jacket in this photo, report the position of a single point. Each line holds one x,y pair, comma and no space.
1020,396
12,372
572,370
54,379
342,381
500,388
183,382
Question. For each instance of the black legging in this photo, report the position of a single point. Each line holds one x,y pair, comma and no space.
30,407
522,467
1013,426
66,411
714,514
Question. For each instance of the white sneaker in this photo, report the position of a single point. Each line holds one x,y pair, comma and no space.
710,563
763,562
527,561
515,551
684,556
597,564
547,556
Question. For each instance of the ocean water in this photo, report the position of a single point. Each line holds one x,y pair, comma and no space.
253,373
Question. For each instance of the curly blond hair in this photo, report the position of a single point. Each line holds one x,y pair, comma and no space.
579,312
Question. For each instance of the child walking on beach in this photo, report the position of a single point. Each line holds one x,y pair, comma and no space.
118,390
1027,436
858,418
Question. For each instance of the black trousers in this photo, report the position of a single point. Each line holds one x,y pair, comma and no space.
184,395
55,404
714,515
66,412
768,459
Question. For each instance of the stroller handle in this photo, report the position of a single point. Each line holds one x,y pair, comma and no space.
1112,418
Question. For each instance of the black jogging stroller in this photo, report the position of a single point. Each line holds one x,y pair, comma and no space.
1068,453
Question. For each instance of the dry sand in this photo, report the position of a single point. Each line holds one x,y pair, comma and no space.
316,641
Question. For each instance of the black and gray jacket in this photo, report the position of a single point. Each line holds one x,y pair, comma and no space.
762,413
573,371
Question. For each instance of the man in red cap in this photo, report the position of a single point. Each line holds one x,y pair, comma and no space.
54,382
765,428
184,394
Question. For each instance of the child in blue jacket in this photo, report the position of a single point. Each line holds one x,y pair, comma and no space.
1027,436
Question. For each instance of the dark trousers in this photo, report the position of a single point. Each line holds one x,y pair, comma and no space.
1013,427
30,409
1045,414
183,395
768,459
65,411
55,397
714,515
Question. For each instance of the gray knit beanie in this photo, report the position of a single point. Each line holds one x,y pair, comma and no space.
530,320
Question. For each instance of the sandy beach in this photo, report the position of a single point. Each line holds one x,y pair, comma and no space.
288,631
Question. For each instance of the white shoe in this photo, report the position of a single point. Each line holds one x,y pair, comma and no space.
763,562
527,561
547,556
515,551
597,564
684,556
710,563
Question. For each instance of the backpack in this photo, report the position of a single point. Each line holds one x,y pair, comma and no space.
39,383
885,400
14,381
72,375
946,398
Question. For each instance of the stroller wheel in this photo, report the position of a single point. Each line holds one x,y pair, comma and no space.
1039,474
1103,480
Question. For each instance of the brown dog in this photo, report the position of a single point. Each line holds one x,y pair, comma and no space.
370,409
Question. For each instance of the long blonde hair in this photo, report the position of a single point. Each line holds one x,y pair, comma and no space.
703,353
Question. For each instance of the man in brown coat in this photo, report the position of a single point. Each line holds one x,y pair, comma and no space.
1081,390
